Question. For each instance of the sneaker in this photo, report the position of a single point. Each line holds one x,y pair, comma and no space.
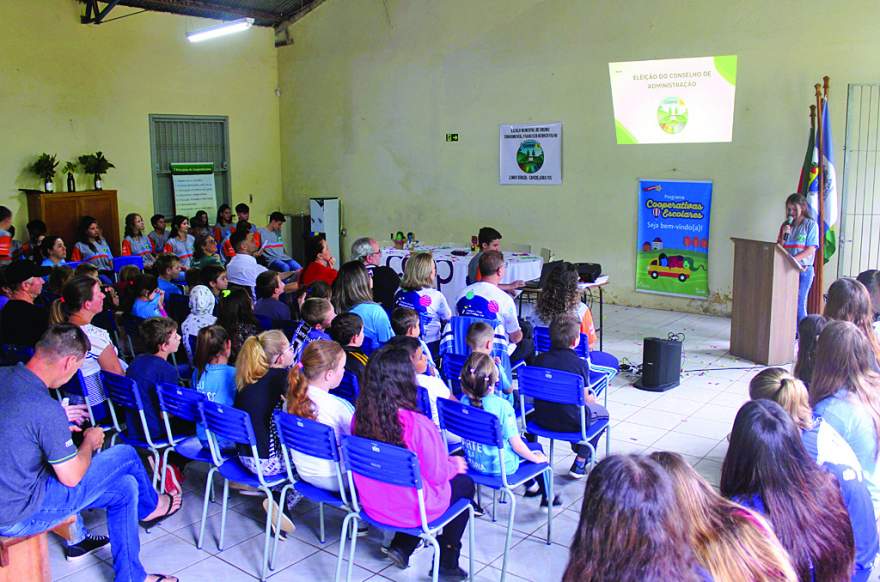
478,509
397,558
364,530
85,547
557,502
578,469
456,573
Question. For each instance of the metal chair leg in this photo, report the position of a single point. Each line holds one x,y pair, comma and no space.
435,571
508,536
343,537
548,483
208,484
353,525
321,513
223,513
267,531
471,540
278,527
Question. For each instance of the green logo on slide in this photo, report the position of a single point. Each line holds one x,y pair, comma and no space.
530,156
672,115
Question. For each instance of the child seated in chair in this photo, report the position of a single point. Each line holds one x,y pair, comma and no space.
269,289
160,337
565,336
347,330
317,316
212,374
478,379
480,337
310,396
405,322
147,297
435,387
168,269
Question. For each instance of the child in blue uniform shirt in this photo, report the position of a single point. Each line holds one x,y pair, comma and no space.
479,339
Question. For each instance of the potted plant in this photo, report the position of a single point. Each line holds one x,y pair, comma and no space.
70,169
97,165
44,167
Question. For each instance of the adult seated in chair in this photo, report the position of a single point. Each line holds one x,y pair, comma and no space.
565,335
561,295
243,268
46,478
21,322
385,280
490,240
320,262
485,299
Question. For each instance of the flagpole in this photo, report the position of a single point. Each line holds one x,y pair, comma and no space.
819,262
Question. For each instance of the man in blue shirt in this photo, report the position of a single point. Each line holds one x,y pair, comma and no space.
46,478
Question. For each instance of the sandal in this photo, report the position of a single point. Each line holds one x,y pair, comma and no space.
157,520
163,577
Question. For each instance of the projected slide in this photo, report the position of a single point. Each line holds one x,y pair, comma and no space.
674,100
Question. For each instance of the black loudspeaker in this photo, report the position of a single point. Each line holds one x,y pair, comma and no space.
661,365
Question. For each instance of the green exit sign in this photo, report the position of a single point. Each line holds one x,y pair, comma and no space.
451,137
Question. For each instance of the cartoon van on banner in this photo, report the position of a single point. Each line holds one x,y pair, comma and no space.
672,257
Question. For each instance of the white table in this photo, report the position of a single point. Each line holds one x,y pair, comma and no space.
452,269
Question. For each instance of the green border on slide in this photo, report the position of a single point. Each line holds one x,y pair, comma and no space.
623,134
726,67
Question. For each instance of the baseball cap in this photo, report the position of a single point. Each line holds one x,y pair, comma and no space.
20,271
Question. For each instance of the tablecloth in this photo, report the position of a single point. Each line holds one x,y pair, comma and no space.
452,269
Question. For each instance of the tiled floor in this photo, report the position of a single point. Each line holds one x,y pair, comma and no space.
692,419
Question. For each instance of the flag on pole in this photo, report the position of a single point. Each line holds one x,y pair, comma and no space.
830,195
808,185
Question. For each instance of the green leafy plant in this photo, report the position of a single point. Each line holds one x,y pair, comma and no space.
95,164
70,167
45,166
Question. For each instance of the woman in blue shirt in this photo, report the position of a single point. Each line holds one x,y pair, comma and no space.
353,291
824,523
799,234
844,392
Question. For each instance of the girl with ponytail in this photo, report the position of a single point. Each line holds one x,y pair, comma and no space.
318,372
478,378
213,376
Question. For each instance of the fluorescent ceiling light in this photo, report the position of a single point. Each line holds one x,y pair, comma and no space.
223,29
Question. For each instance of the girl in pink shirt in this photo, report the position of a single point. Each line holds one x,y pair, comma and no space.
387,411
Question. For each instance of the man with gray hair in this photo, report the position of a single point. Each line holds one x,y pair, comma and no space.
385,280
46,478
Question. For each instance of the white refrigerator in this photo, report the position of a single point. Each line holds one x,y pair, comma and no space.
326,219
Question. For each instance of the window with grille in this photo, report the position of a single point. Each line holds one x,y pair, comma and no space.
188,138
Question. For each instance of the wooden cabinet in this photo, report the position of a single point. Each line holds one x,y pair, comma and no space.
61,212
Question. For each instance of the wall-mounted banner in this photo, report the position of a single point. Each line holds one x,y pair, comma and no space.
673,245
674,100
531,154
194,188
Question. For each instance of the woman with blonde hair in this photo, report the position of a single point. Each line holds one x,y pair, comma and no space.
310,396
820,439
849,300
845,391
417,292
731,542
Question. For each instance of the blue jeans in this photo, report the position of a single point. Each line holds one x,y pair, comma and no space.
284,265
116,481
805,280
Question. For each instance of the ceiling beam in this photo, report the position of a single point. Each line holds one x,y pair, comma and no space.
204,8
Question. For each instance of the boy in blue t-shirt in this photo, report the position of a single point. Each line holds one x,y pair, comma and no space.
405,321
168,268
317,315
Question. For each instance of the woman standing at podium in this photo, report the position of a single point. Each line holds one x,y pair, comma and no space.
799,235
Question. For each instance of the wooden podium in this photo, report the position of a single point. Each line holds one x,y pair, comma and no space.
765,290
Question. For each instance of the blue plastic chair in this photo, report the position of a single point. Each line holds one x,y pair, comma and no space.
264,322
231,424
600,362
348,388
423,401
78,387
119,262
315,439
395,466
451,371
15,354
181,403
123,392
369,346
562,388
483,428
